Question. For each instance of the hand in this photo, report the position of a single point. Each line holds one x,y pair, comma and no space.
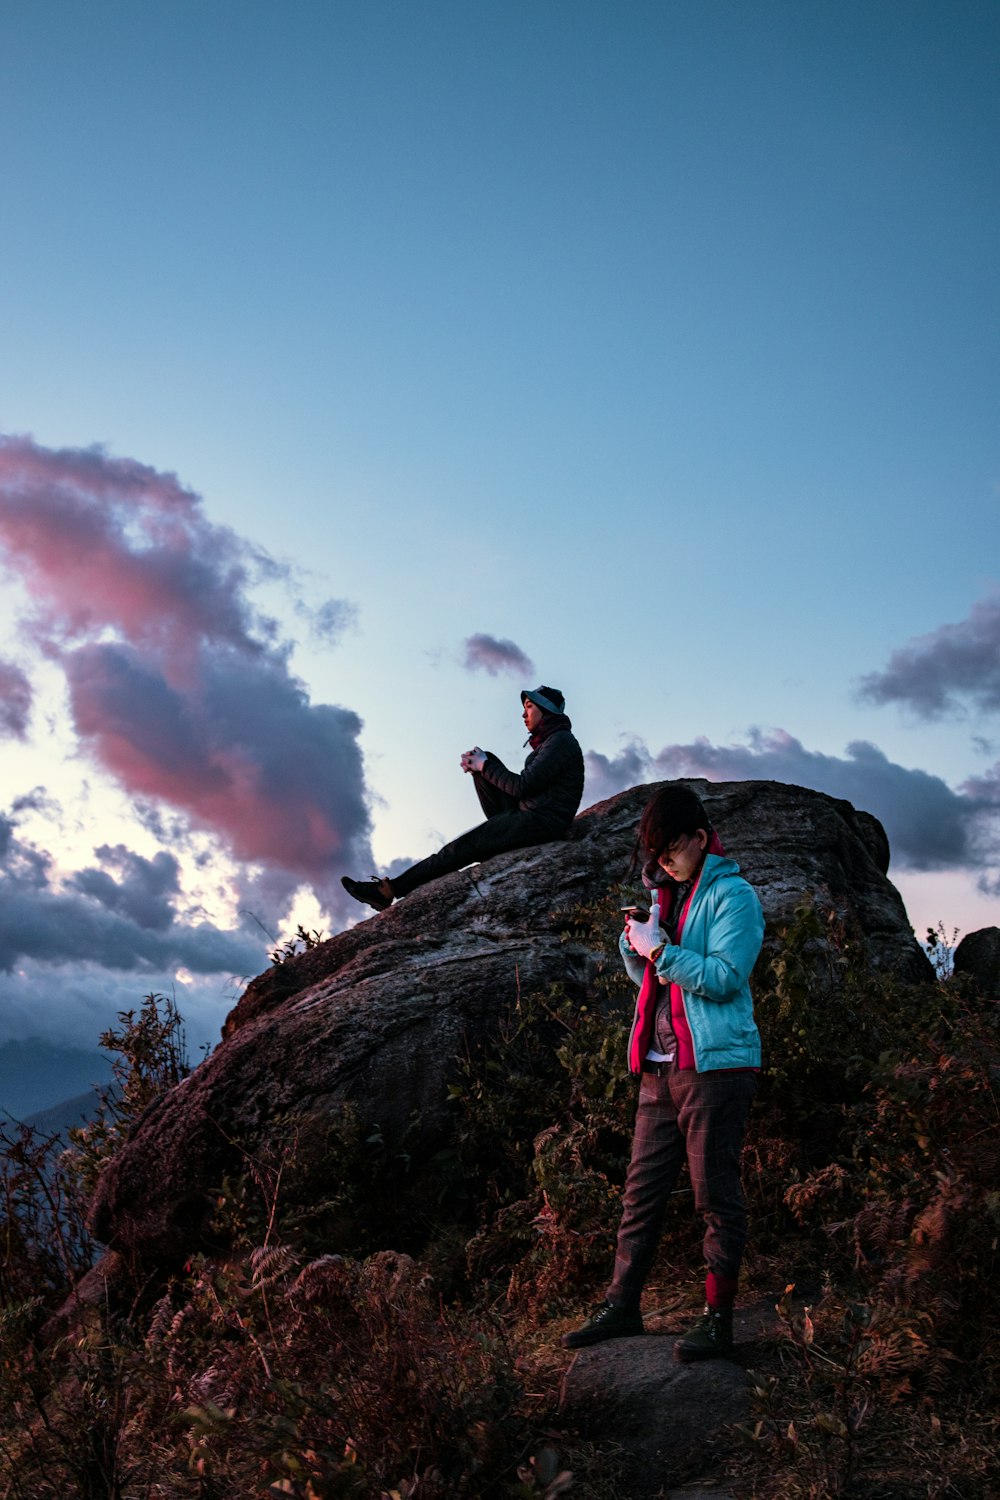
474,759
645,937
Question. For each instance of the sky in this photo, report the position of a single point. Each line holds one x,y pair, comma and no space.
363,363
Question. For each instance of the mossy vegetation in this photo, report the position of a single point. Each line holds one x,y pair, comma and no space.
377,1326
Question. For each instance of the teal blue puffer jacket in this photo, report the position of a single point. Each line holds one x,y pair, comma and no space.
719,944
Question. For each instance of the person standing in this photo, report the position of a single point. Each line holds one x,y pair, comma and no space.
695,1045
532,806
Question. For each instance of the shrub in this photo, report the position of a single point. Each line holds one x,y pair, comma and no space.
151,1058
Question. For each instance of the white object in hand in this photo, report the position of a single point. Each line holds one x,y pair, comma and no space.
645,937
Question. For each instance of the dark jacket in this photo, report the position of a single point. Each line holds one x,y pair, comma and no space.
551,783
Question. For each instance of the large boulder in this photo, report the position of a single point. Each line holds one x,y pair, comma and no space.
978,958
377,1015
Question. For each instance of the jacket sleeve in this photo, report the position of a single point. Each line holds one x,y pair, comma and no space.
635,967
549,762
735,933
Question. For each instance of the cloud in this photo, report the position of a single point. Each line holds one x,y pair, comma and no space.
606,776
56,928
144,890
178,687
940,673
239,748
485,653
15,701
118,914
72,1006
104,542
930,826
984,791
329,621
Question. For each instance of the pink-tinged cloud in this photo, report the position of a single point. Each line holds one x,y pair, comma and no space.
485,653
105,542
241,749
177,688
930,826
15,702
940,673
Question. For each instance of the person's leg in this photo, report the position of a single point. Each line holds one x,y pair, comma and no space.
657,1157
656,1161
506,830
713,1110
491,799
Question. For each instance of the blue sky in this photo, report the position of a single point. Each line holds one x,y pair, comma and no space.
659,341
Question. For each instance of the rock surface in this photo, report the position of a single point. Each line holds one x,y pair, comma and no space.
377,1015
664,1414
978,957
672,1421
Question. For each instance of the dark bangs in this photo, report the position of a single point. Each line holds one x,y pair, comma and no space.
671,812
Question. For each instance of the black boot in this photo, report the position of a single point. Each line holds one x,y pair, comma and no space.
374,892
710,1338
605,1322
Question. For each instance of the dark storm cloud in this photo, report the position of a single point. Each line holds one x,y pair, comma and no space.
56,928
120,918
955,667
178,688
984,791
15,701
143,890
930,826
485,653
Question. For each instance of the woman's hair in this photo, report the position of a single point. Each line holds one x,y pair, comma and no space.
669,813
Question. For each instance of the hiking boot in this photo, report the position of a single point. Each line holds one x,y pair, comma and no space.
710,1338
372,892
605,1322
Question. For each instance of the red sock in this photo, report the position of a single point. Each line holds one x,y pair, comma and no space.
720,1291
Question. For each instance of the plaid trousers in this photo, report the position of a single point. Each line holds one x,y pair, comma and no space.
684,1116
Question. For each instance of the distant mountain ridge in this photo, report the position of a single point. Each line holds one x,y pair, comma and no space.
59,1118
37,1075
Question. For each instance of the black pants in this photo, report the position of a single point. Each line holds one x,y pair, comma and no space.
506,827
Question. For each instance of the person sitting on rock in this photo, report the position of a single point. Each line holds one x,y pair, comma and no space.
531,808
696,1047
